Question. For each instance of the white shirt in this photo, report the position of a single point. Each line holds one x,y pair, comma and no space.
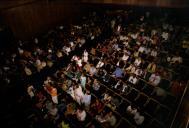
141,49
134,36
176,58
118,28
153,53
165,35
87,99
123,37
100,64
133,80
131,111
78,93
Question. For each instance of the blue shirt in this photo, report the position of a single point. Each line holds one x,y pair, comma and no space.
118,72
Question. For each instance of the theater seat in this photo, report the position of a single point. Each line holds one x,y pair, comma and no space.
131,96
155,124
140,85
162,114
122,107
164,84
150,107
169,101
148,89
141,100
125,124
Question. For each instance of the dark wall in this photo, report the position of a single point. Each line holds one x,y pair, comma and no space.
30,19
154,3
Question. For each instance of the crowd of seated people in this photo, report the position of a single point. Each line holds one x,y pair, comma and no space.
127,57
98,77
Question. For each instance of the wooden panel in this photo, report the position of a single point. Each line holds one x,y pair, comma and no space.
31,19
13,3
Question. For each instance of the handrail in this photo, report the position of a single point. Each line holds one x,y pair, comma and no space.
185,90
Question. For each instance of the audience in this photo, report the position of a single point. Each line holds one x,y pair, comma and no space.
124,58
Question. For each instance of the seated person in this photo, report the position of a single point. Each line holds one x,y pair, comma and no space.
100,64
92,70
78,93
53,111
133,79
151,67
153,53
85,56
114,102
107,118
70,108
176,59
96,107
139,119
93,51
139,72
155,79
106,98
117,84
125,57
81,114
131,69
137,61
131,110
159,92
87,99
125,88
83,80
96,85
118,73
87,67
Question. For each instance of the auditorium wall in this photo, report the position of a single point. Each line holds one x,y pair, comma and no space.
154,3
30,19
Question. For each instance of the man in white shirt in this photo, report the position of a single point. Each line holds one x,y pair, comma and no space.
78,93
133,79
87,99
